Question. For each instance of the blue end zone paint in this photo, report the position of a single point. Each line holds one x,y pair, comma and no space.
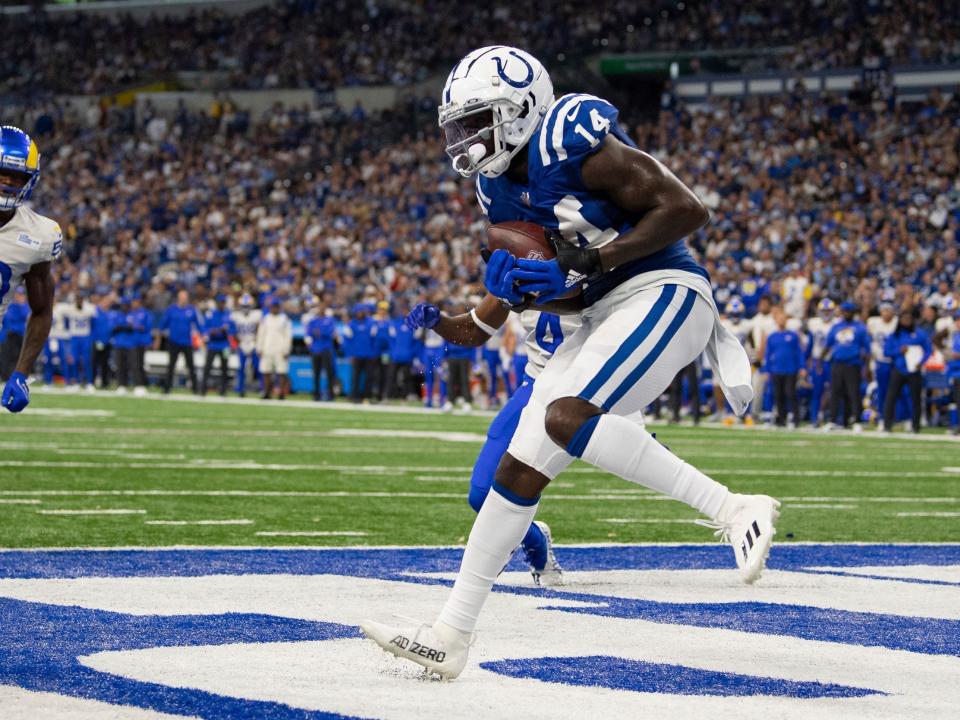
40,645
620,674
394,562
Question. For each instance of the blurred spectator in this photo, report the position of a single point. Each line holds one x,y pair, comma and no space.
274,344
179,323
784,361
690,374
910,347
218,329
362,348
404,349
246,321
14,326
321,334
80,320
847,348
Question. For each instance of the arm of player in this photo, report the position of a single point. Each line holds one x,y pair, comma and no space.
639,183
470,329
39,284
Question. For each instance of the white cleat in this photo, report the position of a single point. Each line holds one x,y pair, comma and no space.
748,523
140,391
439,648
551,574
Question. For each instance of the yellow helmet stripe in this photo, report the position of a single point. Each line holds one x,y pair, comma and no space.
33,157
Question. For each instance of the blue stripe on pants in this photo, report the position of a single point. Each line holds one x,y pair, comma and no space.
634,377
631,344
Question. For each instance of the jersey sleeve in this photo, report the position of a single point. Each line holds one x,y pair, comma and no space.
51,243
575,128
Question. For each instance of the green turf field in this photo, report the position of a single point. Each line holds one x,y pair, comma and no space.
274,474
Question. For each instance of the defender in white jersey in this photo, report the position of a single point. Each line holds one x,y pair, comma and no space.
880,328
818,327
742,329
29,242
618,218
246,318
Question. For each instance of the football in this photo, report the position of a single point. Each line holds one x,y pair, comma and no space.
521,239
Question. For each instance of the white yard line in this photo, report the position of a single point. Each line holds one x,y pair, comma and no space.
18,501
819,506
104,511
312,533
239,521
651,521
929,514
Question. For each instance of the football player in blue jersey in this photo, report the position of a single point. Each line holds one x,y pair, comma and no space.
646,307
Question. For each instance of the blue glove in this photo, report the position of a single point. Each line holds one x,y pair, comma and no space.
423,315
16,395
543,277
497,280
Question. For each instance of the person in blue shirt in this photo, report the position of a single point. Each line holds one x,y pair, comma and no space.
847,349
178,323
140,321
952,354
363,349
382,319
218,328
910,348
404,347
123,339
102,324
14,326
321,336
784,360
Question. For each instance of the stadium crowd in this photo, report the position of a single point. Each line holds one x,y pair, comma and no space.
812,199
321,45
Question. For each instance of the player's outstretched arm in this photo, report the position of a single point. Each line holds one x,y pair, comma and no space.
39,285
639,183
470,329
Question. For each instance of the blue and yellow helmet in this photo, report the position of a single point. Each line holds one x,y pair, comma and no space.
18,154
735,307
826,306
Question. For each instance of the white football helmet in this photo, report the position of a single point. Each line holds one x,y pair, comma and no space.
493,102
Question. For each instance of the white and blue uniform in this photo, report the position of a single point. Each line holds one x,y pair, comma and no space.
81,339
246,321
645,320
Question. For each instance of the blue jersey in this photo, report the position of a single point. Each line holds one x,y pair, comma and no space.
784,354
848,342
141,320
901,340
953,366
218,327
461,352
180,322
15,319
403,342
554,195
321,332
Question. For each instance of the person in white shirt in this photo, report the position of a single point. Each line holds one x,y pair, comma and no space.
57,351
742,328
818,327
763,325
880,327
795,287
274,343
246,319
80,317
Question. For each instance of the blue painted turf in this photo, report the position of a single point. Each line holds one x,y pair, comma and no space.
639,676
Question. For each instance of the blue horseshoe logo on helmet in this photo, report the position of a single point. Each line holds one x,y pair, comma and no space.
515,83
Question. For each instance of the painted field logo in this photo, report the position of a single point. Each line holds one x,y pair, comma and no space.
836,630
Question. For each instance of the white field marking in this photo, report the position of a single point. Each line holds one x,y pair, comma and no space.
103,511
873,499
21,704
310,675
120,453
929,514
71,413
312,533
424,434
18,501
625,491
442,478
257,402
239,521
303,493
652,521
819,506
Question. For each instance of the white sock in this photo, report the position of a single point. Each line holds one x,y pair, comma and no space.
620,446
497,531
